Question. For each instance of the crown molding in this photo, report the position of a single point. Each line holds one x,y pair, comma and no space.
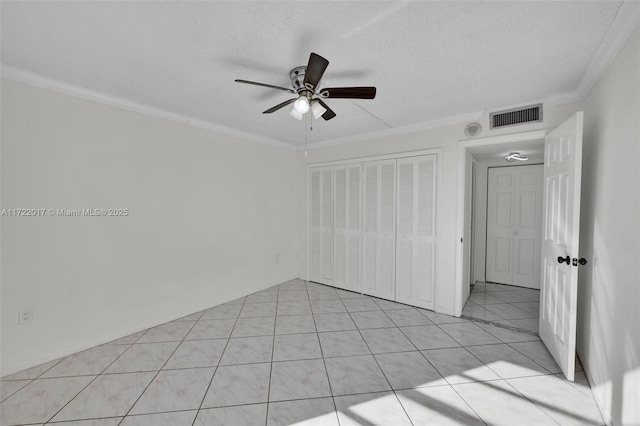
412,128
621,28
38,80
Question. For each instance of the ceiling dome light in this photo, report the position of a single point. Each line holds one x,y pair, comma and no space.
515,156
301,105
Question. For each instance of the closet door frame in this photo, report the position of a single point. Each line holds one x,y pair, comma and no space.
398,155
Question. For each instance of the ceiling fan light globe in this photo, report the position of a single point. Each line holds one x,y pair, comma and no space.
317,109
295,114
301,105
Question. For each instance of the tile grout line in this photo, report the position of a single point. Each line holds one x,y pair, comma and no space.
525,398
90,382
324,362
479,360
512,290
349,313
420,351
218,364
530,359
423,356
17,390
273,348
467,402
158,372
59,360
509,343
376,360
110,364
503,326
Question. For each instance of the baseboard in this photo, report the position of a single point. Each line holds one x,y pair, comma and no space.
109,338
597,396
84,346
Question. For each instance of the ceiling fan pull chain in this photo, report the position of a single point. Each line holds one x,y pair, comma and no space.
305,135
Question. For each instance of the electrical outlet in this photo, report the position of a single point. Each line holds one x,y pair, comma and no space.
25,316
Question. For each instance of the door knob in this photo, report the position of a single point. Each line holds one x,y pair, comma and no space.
564,259
581,261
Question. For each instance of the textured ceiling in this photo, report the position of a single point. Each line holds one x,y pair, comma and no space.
429,60
534,150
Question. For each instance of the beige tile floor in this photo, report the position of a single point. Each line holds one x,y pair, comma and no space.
515,307
305,354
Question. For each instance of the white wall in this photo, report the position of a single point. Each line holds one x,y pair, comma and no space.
609,294
445,138
208,214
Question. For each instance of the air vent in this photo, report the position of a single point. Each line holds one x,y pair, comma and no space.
516,116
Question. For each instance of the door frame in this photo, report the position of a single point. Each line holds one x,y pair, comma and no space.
463,158
473,211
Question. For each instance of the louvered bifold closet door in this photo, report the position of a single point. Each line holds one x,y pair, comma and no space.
378,254
415,246
321,224
347,237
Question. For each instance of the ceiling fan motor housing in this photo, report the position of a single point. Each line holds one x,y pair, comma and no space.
297,78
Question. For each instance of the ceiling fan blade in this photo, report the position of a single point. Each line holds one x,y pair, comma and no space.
349,92
271,86
315,68
329,114
281,105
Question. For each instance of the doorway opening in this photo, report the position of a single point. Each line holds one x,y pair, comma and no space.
561,225
501,252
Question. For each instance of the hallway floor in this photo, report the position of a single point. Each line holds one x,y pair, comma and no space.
511,306
305,354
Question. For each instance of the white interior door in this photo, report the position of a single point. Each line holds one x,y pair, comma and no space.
378,255
321,224
347,226
415,243
561,223
527,232
514,225
500,202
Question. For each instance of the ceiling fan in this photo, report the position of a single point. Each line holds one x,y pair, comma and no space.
304,80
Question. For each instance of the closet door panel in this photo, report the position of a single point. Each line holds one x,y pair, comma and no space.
379,229
425,239
327,225
321,224
415,254
404,257
372,228
354,228
347,227
340,234
314,224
